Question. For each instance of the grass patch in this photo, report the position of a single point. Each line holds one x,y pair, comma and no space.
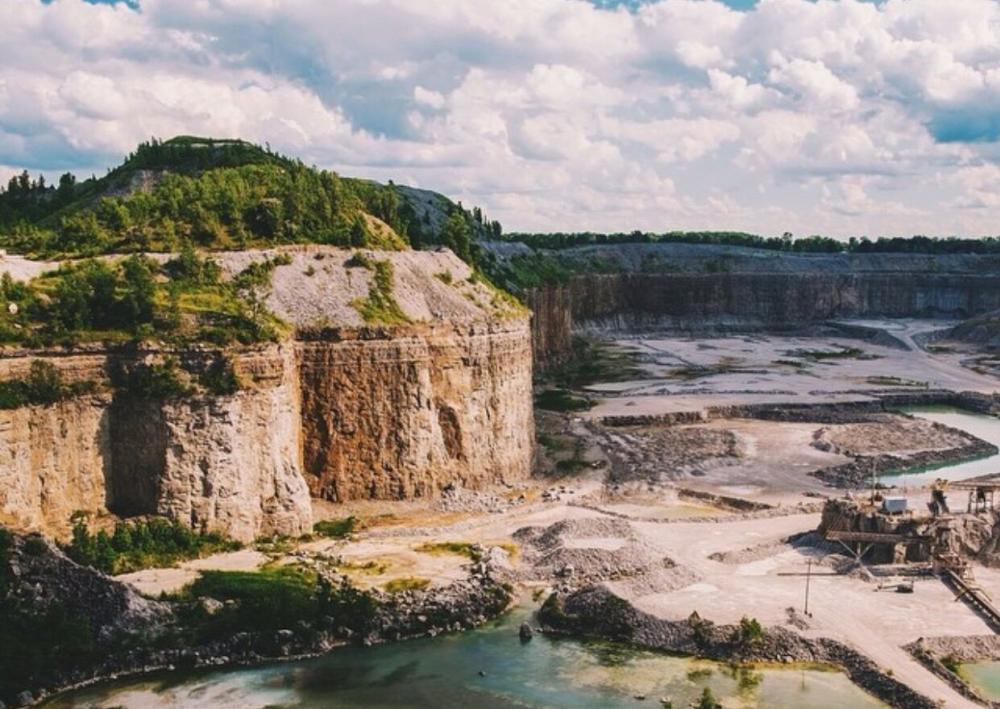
336,528
594,361
562,400
883,380
380,307
408,583
368,568
269,600
43,386
839,353
142,545
466,549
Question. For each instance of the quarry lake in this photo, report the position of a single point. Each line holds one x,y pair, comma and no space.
980,425
445,672
985,677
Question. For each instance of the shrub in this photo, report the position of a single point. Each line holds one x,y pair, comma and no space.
336,528
154,381
409,583
221,378
749,632
43,386
561,400
141,545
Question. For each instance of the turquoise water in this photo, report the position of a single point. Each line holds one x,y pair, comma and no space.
984,676
444,672
979,425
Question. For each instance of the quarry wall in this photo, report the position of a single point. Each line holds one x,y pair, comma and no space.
707,288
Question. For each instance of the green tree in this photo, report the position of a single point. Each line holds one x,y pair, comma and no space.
457,236
359,234
138,300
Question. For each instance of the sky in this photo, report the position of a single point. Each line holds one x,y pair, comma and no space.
836,117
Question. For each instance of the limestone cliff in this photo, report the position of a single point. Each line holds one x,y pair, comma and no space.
698,287
341,409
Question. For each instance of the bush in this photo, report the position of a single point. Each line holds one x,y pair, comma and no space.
43,386
271,600
561,400
141,545
221,378
749,632
154,381
336,528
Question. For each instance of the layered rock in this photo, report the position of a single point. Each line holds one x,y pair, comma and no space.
699,287
341,409
393,415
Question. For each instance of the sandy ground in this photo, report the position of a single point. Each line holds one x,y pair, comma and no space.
153,582
689,374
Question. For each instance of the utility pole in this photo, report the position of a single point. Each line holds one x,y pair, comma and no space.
809,569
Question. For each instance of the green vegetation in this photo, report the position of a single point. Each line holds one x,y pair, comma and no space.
36,645
380,307
269,600
952,664
787,242
408,583
466,549
220,378
561,400
153,381
594,361
887,380
336,528
220,194
141,545
134,298
708,700
42,386
749,632
840,353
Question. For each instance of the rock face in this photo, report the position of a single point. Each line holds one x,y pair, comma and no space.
694,287
403,415
53,461
341,411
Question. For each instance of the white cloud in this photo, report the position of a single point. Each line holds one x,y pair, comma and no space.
838,116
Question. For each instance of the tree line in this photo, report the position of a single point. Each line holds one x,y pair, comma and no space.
787,242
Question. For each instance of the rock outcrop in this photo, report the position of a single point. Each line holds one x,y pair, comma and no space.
340,409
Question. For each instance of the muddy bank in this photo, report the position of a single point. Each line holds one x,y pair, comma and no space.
596,612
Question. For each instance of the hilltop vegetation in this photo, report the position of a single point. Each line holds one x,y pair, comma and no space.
219,194
182,300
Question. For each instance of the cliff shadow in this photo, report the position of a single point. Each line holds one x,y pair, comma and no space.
138,456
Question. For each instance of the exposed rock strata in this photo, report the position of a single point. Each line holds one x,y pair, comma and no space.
400,415
699,287
342,410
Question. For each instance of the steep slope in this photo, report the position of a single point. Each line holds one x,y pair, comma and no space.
428,387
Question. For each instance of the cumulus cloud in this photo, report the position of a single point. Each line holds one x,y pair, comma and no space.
838,116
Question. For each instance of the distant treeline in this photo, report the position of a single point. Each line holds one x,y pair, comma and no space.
787,242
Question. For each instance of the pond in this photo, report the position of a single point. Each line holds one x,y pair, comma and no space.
979,425
984,676
445,672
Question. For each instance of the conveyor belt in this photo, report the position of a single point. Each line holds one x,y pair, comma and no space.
974,597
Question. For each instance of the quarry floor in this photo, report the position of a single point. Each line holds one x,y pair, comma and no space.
736,563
